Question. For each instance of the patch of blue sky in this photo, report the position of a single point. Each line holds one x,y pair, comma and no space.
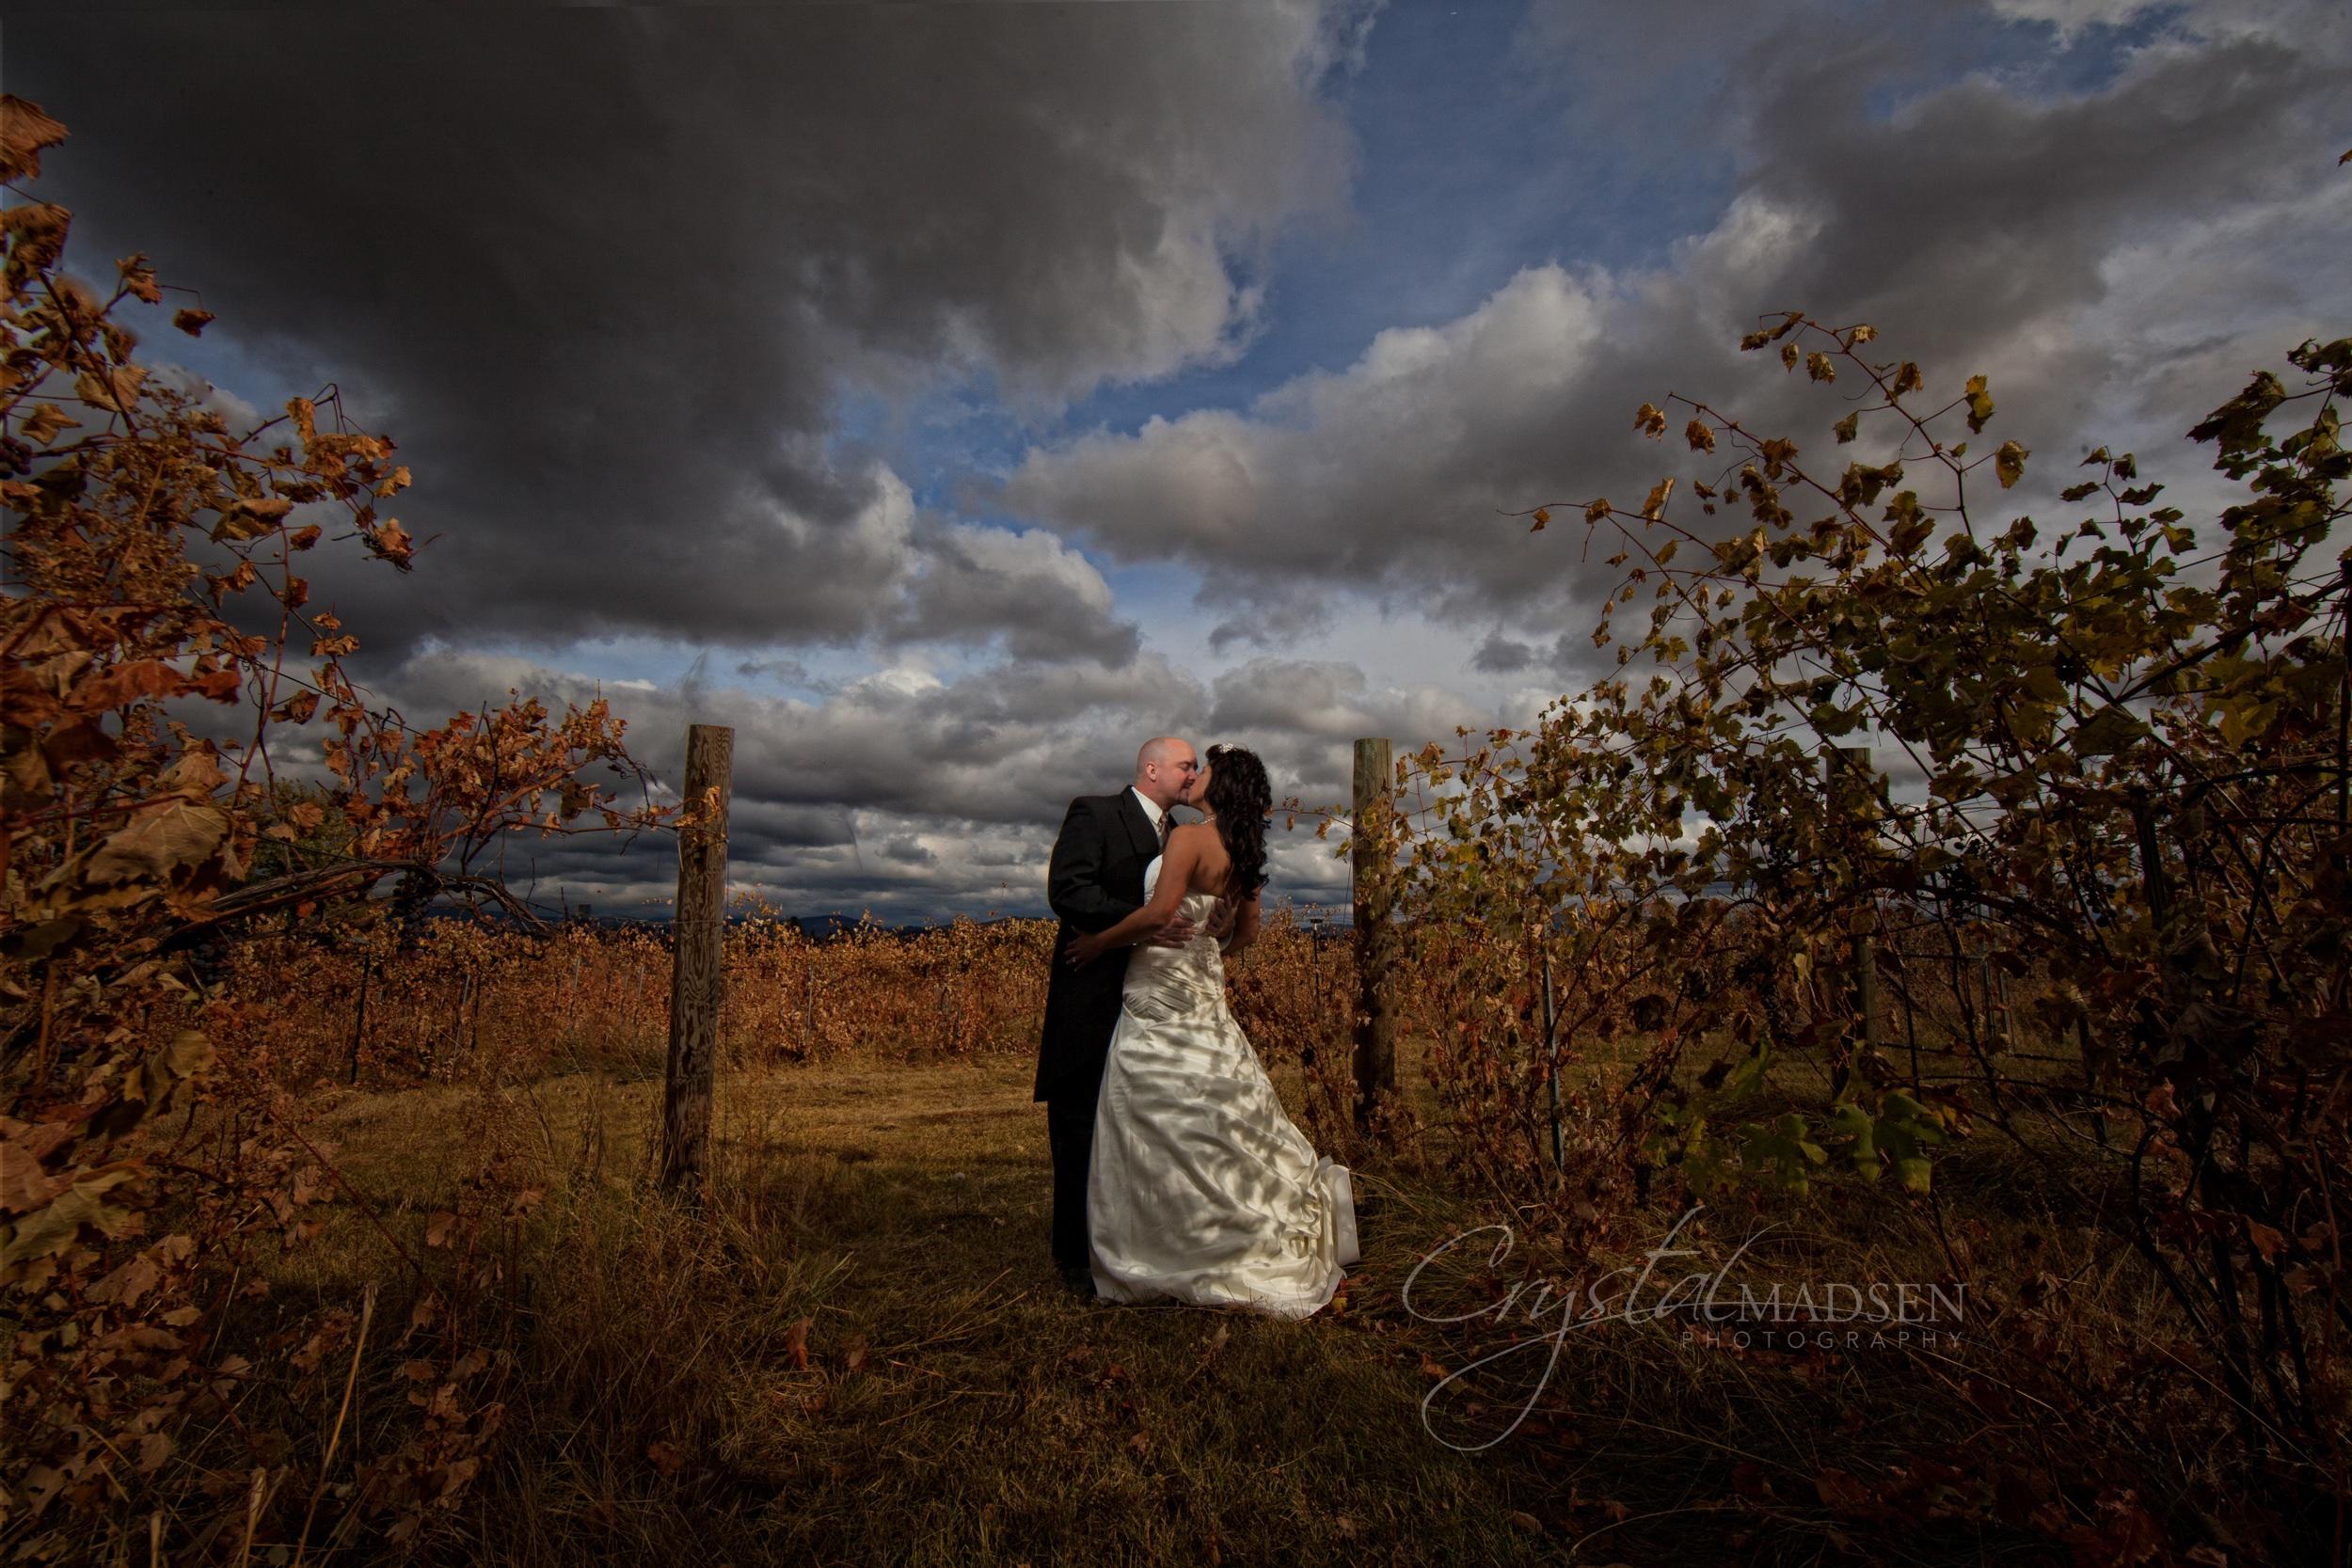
1163,600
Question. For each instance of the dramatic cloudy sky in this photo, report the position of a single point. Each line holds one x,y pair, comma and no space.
950,396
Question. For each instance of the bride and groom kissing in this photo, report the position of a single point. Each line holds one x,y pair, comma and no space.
1178,1177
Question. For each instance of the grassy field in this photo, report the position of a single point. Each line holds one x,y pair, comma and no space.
861,1354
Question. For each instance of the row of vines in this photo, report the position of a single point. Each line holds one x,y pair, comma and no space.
1896,827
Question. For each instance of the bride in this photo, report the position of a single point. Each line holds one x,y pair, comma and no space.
1200,1190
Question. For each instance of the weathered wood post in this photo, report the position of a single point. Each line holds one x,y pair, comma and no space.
1373,860
697,964
1855,760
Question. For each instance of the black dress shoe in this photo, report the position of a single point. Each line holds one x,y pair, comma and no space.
1080,1279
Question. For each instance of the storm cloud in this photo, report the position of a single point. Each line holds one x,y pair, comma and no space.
950,397
2118,258
604,274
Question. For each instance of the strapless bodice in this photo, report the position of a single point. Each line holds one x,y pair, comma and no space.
1177,982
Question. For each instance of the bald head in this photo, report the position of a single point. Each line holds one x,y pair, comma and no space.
1165,769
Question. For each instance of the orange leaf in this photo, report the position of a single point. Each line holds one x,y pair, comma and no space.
24,132
159,841
125,684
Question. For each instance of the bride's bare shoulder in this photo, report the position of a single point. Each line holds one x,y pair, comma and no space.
1203,837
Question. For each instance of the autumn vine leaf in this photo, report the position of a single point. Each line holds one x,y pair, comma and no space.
1979,404
2009,463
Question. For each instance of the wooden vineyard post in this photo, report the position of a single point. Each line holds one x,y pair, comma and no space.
1855,760
1374,866
697,967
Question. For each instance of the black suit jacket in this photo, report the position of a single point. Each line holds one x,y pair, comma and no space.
1095,881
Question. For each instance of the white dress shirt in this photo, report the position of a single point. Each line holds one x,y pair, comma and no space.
1149,810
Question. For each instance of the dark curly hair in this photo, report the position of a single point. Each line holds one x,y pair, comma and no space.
1243,803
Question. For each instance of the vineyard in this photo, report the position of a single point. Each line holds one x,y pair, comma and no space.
1969,905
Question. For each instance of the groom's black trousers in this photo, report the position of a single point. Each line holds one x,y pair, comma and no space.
1095,880
1070,1130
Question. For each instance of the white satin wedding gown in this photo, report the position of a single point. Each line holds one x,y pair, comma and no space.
1200,1190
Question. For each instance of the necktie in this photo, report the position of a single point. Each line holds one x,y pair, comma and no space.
1167,826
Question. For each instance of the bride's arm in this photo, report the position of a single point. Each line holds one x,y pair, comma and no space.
1245,927
1175,874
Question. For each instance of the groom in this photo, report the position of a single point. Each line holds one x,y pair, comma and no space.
1095,881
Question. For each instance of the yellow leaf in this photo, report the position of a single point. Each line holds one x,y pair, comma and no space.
117,394
1979,404
1657,503
1649,420
2009,463
48,418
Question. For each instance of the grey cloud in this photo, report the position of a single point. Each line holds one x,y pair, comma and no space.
922,798
1303,716
1049,602
601,272
1501,655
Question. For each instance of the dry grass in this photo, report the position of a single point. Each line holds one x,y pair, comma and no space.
955,1404
658,1412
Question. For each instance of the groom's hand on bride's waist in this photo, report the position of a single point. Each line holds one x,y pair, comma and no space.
1176,933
